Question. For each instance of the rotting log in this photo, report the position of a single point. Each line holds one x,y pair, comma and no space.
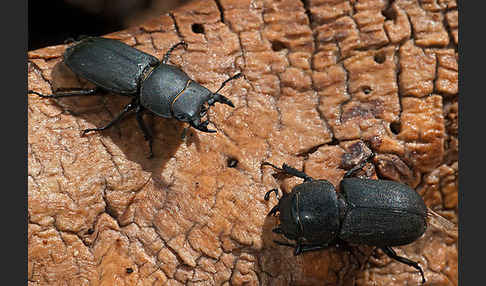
321,78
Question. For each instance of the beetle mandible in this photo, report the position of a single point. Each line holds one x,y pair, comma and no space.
378,213
154,85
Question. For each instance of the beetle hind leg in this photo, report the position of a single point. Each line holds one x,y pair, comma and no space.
115,120
77,92
393,255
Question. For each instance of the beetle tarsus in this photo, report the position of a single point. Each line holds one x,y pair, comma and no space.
393,255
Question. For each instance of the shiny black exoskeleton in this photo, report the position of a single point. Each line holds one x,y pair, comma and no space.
373,212
156,86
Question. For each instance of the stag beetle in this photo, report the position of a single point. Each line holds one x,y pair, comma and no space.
156,86
378,213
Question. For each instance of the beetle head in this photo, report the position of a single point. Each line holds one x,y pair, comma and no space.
190,105
290,225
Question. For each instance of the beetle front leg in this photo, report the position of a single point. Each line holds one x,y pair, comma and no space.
292,171
358,167
201,126
393,255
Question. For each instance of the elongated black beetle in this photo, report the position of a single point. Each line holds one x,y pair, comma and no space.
155,86
373,212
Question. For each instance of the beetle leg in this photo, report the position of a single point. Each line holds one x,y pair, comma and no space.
203,111
202,126
127,109
284,243
299,248
358,167
306,248
169,52
267,195
292,171
277,230
79,92
273,211
393,255
145,130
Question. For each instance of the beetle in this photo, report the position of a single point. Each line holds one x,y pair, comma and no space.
378,213
155,86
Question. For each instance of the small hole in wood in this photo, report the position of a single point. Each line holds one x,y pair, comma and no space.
389,14
367,89
232,162
197,28
278,46
380,58
395,127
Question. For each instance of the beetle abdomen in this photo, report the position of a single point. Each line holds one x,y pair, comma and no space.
161,87
108,63
381,213
381,227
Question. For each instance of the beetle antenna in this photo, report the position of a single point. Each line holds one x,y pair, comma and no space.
238,75
169,52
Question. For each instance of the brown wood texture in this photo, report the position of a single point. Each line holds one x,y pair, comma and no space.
320,78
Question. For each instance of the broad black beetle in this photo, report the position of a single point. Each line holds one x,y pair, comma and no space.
155,86
373,212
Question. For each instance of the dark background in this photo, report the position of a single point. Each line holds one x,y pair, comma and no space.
52,22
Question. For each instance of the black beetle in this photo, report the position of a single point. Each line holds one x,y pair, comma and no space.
373,212
155,86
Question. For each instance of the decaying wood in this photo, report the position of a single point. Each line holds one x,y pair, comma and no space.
321,78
